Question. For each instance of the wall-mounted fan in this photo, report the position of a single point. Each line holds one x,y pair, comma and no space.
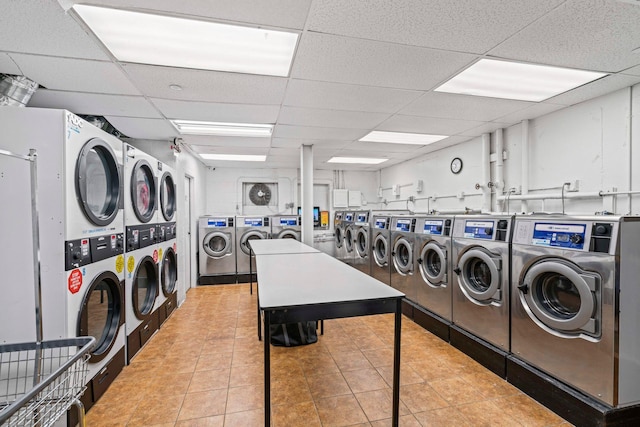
260,194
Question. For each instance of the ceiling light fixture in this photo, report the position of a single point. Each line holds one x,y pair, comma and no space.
515,80
192,127
401,138
356,160
235,157
186,43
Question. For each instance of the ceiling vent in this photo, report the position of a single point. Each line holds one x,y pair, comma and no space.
16,91
260,194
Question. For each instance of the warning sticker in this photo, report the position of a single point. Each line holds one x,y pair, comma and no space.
75,281
119,263
160,253
155,256
131,264
175,247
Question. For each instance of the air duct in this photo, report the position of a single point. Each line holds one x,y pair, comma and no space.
16,91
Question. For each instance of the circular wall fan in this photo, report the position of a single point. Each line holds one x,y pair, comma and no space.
260,194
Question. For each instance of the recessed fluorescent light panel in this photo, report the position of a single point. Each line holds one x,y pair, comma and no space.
186,43
401,138
191,127
514,80
356,160
235,157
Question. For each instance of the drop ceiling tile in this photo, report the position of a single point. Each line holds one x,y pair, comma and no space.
464,26
338,59
330,118
462,107
449,142
484,128
588,34
536,110
206,86
209,149
598,88
217,112
297,142
379,147
308,132
7,65
94,104
143,128
226,141
429,125
337,96
43,27
634,71
278,13
285,153
78,75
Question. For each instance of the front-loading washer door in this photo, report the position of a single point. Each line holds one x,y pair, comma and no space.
380,251
559,295
403,256
348,239
97,180
248,236
167,196
145,287
432,264
143,191
339,237
362,243
479,275
102,313
289,234
169,273
217,244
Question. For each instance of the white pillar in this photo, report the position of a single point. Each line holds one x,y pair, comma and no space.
524,165
486,172
499,187
306,175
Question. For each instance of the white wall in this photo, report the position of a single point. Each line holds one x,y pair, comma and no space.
595,143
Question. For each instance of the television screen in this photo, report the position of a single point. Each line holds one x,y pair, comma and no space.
316,215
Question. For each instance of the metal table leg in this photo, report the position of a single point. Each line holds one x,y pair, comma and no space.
396,363
250,270
267,370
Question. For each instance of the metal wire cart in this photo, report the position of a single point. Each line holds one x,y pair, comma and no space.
40,381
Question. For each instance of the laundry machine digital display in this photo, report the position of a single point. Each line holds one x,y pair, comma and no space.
363,217
433,227
381,223
566,236
478,229
217,222
348,217
254,222
288,221
403,225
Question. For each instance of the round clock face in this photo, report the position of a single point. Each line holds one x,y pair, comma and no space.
456,165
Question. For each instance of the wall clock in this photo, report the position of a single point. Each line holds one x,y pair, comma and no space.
456,165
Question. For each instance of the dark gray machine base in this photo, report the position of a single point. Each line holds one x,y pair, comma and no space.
246,278
222,279
481,351
573,406
432,323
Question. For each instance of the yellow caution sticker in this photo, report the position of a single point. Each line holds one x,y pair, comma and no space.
131,263
160,253
119,263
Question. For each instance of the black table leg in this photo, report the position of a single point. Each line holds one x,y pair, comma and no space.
250,270
259,323
396,363
267,369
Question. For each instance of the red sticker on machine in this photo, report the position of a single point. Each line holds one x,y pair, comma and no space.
75,281
175,247
155,256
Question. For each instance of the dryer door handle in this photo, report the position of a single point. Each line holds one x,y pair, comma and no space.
457,270
524,288
393,254
419,260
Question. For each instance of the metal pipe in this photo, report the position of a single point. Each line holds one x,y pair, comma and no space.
549,196
566,184
486,172
499,181
524,166
630,143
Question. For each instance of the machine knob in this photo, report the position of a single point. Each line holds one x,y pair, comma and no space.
576,238
601,229
457,270
447,223
393,254
524,288
488,231
76,255
502,224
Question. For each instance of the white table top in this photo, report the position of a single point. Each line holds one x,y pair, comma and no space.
280,246
314,278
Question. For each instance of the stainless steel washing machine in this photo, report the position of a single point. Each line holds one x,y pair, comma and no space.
481,258
575,302
402,244
248,228
286,227
361,257
338,229
433,262
217,255
348,239
379,247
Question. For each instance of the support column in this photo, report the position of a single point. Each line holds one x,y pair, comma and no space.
306,175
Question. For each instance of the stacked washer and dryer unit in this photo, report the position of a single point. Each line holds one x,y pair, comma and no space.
167,300
80,198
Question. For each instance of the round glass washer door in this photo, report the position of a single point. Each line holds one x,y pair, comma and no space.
561,296
339,237
479,276
348,239
402,256
97,180
246,237
102,313
217,244
145,287
432,264
167,196
143,191
169,273
288,234
362,243
380,251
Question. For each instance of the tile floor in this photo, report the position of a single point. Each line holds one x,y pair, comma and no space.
205,368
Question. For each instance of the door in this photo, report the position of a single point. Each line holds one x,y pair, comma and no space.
403,256
169,273
432,264
362,243
102,313
289,234
167,196
217,244
380,250
349,239
562,297
145,287
98,179
143,191
479,275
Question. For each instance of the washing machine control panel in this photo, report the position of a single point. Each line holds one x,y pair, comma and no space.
381,223
288,221
475,229
219,222
141,236
362,218
569,236
407,224
348,216
255,222
89,250
433,227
